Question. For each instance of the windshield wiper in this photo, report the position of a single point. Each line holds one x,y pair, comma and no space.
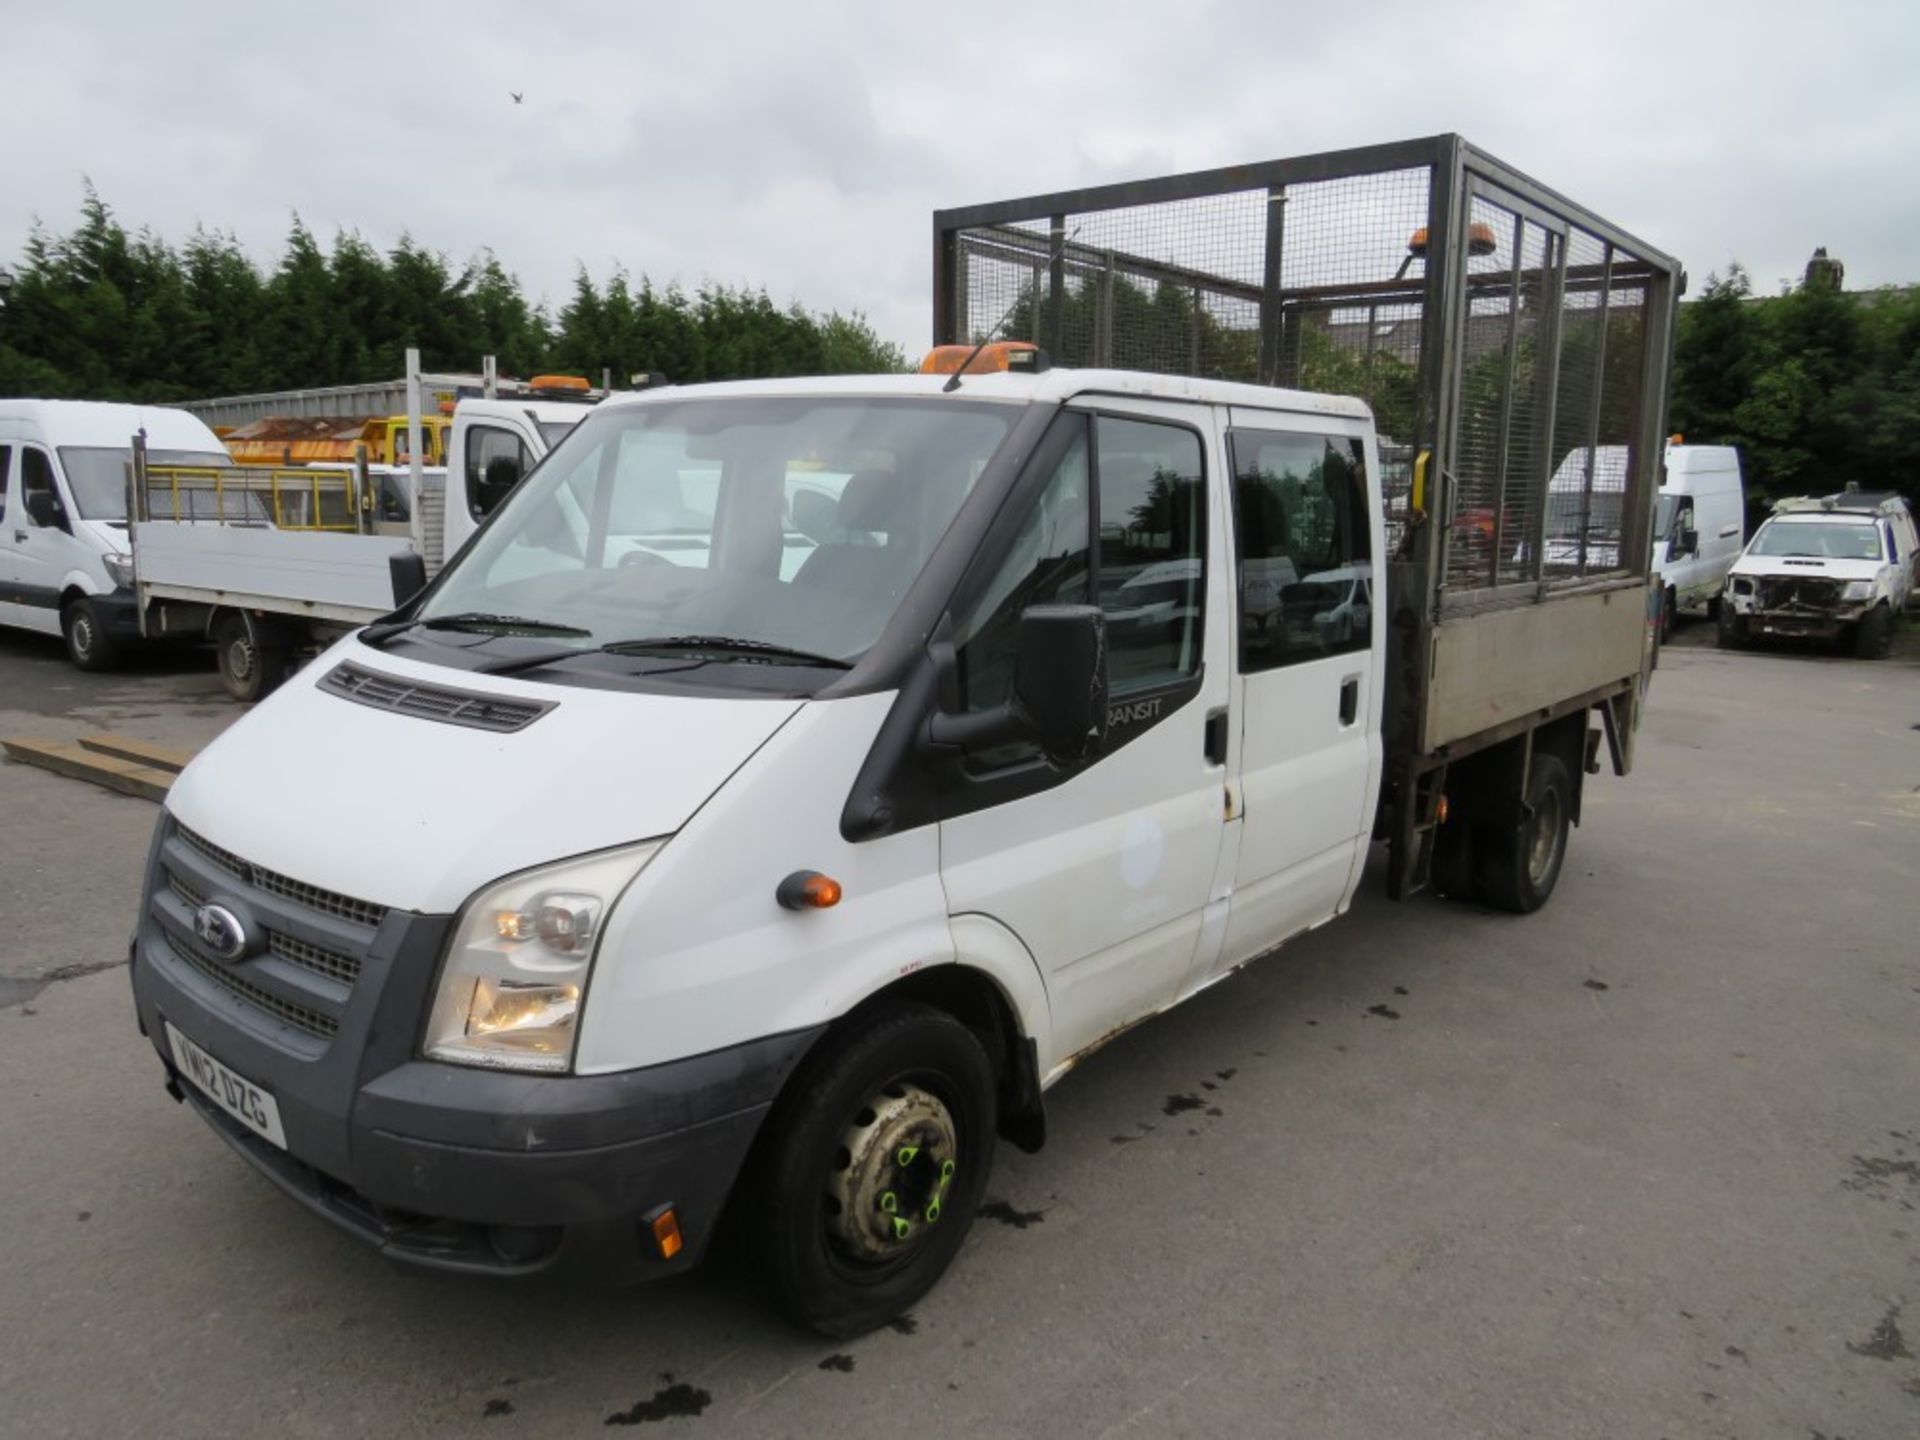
666,643
476,620
724,642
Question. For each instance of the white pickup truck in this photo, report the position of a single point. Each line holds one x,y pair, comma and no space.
271,563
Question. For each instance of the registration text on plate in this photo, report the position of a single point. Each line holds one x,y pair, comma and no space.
232,1092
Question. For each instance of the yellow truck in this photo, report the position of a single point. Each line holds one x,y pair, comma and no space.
335,440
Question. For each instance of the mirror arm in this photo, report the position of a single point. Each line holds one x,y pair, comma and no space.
977,730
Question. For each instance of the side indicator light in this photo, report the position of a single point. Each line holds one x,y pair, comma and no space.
665,1226
808,890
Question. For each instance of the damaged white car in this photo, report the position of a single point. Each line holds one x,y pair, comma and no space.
1838,568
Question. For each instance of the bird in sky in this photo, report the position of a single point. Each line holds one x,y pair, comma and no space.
516,96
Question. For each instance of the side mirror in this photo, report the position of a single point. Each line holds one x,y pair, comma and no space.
1059,688
43,508
408,572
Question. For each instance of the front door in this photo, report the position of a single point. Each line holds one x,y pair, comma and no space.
40,552
1104,870
1310,630
12,520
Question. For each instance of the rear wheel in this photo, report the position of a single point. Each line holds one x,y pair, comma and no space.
84,629
873,1164
253,659
1873,637
1518,866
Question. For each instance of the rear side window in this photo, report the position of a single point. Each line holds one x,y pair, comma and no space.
496,459
1303,547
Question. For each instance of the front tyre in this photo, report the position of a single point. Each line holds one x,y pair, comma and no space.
871,1168
1873,637
84,628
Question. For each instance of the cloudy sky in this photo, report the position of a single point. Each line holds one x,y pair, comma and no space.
803,146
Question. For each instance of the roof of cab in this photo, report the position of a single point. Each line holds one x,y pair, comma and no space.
1056,385
108,424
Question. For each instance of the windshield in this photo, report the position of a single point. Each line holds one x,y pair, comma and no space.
1822,539
774,520
97,474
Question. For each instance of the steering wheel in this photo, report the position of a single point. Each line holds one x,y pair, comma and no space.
635,559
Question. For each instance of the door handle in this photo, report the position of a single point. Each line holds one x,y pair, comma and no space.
1216,741
1349,699
19,537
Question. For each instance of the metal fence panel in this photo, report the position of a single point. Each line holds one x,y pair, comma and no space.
1518,353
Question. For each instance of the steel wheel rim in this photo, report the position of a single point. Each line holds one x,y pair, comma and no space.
81,636
1543,839
891,1176
240,658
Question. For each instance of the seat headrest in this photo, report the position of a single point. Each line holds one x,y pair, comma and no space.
872,500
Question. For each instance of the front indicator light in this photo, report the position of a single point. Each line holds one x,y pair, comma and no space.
665,1226
514,977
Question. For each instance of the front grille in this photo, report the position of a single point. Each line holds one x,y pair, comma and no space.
320,960
330,963
471,708
313,1022
327,902
1799,592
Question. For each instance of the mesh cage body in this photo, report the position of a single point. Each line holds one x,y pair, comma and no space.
1517,340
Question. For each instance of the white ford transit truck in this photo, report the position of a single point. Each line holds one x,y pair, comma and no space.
790,781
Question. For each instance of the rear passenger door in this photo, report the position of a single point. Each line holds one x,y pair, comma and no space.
1310,626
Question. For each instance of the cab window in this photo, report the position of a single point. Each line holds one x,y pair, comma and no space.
36,476
1303,547
495,459
1140,486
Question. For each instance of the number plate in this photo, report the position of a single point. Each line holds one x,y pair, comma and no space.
232,1092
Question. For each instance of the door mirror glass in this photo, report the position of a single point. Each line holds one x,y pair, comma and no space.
1059,699
43,508
1060,678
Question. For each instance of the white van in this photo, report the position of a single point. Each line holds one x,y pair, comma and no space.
64,566
1698,528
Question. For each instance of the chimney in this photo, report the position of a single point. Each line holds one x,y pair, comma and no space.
1824,272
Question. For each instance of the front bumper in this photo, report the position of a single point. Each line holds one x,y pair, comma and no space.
437,1165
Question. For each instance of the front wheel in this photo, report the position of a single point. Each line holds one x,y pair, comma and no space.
873,1164
89,646
1519,866
1873,638
1730,630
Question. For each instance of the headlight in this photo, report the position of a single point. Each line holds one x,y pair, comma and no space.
1857,590
512,981
119,569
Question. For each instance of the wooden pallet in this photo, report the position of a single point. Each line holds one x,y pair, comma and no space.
131,767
